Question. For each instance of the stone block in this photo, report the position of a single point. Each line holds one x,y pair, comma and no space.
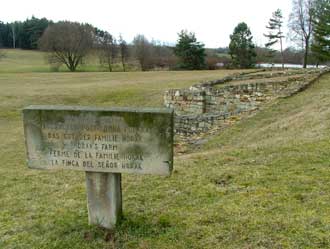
116,140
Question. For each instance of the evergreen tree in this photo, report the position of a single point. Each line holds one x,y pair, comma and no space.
321,39
6,38
31,31
23,34
241,47
190,52
275,34
2,53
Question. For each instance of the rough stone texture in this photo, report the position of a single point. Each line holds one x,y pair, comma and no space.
118,140
104,143
203,105
104,200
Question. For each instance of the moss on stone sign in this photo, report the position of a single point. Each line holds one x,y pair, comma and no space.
118,140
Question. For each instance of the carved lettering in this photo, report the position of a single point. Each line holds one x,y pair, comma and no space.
105,141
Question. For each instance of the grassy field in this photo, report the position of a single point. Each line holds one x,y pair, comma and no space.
20,61
23,61
262,183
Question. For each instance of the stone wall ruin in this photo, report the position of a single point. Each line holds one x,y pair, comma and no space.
204,105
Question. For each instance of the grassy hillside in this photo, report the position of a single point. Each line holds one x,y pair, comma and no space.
263,183
31,200
20,61
17,60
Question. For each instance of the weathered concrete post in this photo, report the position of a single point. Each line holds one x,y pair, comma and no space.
103,142
104,201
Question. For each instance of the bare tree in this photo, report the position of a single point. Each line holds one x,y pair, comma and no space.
142,49
67,42
124,52
108,50
301,24
162,55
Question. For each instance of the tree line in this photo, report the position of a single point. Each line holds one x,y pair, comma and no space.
68,43
309,28
24,34
309,25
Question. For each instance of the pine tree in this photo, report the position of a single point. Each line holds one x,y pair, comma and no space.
32,30
241,47
275,34
321,41
190,51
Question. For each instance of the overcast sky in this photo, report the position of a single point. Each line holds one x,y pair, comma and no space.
212,20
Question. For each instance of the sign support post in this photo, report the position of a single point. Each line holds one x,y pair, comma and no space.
104,198
104,143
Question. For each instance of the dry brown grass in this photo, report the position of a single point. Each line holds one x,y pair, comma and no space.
262,183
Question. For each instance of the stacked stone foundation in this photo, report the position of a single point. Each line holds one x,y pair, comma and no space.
205,105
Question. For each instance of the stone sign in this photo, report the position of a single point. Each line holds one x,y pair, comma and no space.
103,142
99,140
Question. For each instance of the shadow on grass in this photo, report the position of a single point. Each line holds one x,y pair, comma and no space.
131,229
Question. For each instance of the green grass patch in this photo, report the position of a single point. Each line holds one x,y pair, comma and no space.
262,183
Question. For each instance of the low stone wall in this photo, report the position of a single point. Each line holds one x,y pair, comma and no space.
192,124
204,105
185,101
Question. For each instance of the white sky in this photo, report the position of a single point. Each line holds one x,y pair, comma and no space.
212,20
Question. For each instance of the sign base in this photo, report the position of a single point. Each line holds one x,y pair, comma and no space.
104,198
